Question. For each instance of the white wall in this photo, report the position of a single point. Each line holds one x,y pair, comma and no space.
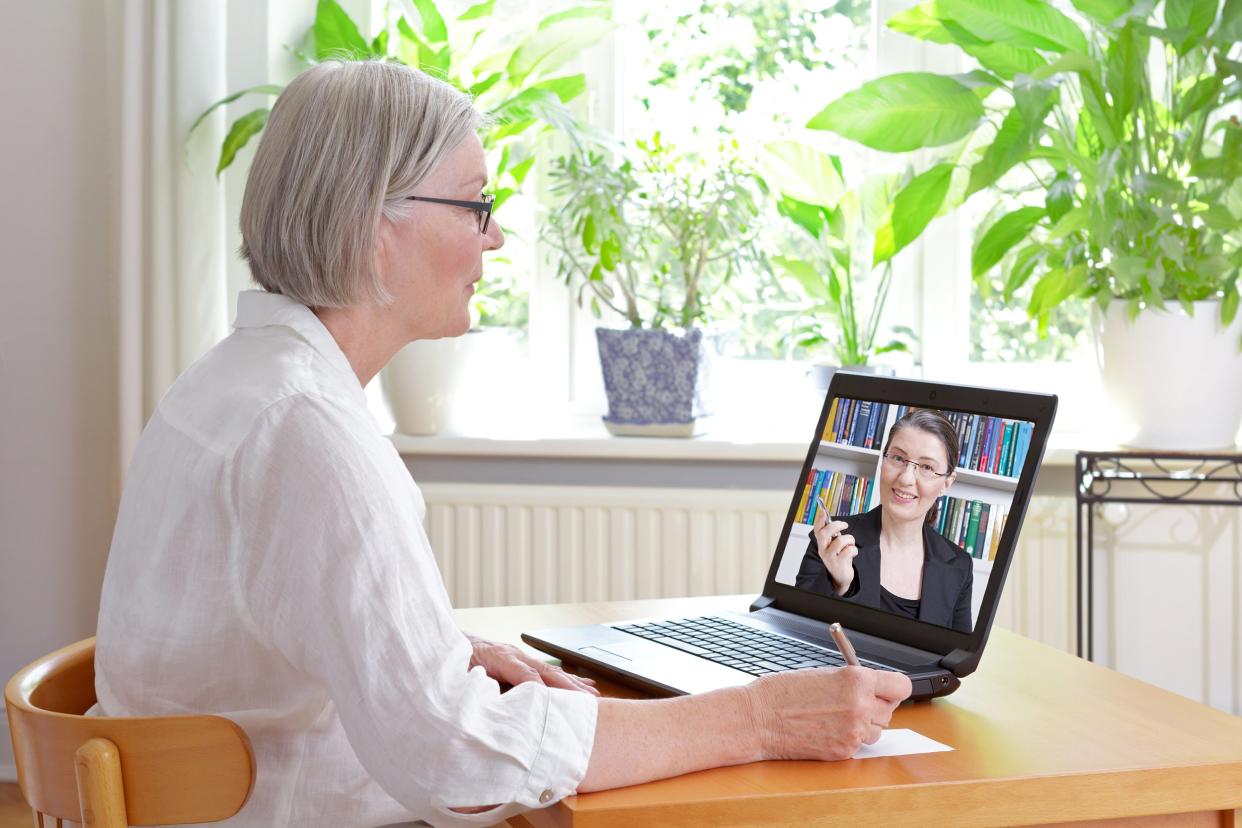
58,400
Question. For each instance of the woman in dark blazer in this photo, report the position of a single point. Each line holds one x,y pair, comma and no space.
891,558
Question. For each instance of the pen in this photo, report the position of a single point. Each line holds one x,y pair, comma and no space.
823,505
843,644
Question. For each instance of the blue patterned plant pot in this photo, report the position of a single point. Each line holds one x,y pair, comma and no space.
656,381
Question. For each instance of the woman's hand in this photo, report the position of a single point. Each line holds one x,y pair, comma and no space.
836,550
507,663
823,713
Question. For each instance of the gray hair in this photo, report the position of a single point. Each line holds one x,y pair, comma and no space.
346,142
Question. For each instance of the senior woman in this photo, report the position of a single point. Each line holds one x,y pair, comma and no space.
891,557
269,562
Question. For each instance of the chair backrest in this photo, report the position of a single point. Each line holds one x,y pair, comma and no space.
153,770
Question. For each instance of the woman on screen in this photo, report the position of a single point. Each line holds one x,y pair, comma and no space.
891,558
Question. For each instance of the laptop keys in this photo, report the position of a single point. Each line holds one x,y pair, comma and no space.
736,645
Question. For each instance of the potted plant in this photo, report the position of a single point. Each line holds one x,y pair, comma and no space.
651,235
1107,133
841,253
524,98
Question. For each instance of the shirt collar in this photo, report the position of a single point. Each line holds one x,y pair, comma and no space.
260,309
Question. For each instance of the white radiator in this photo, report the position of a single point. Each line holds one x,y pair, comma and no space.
510,544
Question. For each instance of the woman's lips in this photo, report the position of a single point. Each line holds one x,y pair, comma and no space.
903,497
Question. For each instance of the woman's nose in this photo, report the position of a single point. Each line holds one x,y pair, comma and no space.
495,237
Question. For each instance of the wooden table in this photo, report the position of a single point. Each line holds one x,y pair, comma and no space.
1039,737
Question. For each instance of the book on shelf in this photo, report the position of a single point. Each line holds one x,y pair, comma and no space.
858,423
974,525
845,494
988,444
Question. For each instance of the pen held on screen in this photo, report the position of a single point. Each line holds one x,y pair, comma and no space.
843,644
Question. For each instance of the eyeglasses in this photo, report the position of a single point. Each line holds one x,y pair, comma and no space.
898,463
482,208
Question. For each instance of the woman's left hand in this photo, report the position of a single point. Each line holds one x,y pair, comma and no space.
507,663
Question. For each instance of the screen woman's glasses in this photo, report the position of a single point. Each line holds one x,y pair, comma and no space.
482,208
898,463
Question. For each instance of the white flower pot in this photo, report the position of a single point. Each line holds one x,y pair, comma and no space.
420,383
434,384
1174,381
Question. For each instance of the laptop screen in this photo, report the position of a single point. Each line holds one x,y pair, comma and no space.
902,508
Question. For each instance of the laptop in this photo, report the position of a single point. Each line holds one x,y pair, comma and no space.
880,448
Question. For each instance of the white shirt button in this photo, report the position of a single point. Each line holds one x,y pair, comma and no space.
545,797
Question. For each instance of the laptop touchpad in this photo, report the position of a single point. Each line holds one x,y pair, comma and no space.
607,656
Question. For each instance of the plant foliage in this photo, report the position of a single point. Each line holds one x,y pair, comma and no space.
1113,118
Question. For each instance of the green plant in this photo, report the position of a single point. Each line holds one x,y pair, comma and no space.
775,35
1107,136
843,257
654,237
514,82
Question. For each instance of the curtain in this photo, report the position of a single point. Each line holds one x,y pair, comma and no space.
172,65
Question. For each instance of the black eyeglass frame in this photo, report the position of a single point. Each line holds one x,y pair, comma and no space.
895,457
484,207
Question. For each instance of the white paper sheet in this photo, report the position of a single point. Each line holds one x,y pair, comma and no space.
900,742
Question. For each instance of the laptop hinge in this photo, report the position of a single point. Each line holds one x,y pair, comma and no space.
762,602
960,662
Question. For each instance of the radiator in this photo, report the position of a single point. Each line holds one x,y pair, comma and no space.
501,545
507,544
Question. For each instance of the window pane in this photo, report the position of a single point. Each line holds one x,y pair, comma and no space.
721,78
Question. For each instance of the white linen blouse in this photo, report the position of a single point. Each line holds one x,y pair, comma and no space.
270,565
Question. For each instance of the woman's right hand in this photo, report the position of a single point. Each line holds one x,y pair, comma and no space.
823,713
836,550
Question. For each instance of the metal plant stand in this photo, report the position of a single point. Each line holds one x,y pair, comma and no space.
1141,477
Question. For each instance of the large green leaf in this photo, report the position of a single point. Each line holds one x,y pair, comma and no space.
546,50
913,208
1074,220
930,22
810,217
603,10
478,10
802,173
1229,31
1201,96
1018,132
566,87
1060,197
807,276
1005,60
243,129
265,89
1102,115
1103,11
1124,68
903,112
413,49
433,26
1190,18
1055,287
1008,230
1033,24
921,22
1011,145
336,35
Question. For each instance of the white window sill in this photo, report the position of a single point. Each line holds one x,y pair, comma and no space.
584,437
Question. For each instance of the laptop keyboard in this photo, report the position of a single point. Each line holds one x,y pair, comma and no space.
738,646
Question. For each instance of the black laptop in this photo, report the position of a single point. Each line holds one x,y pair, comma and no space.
880,448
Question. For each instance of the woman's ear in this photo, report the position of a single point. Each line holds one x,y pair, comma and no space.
948,481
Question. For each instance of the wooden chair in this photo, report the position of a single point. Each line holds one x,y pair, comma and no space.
115,772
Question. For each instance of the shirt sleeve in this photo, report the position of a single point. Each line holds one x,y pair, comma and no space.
337,575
